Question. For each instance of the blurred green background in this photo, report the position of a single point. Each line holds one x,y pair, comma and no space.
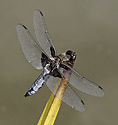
90,28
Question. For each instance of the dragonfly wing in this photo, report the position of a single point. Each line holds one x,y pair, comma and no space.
41,32
30,48
83,84
70,97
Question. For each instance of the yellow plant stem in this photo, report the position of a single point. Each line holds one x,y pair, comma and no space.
53,105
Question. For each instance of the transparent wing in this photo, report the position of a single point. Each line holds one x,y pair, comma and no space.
73,100
83,84
41,32
30,48
70,97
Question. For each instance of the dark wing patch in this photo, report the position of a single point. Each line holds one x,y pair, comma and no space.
44,59
52,51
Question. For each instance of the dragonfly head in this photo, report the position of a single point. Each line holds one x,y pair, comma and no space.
71,55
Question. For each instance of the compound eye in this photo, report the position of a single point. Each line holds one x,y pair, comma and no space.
69,52
74,55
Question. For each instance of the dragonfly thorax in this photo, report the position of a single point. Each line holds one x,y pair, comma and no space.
55,62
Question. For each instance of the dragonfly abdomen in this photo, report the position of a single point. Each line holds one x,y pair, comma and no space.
39,82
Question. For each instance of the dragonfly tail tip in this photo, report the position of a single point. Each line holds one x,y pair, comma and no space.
27,94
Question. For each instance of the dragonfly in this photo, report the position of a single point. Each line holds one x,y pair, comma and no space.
43,55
